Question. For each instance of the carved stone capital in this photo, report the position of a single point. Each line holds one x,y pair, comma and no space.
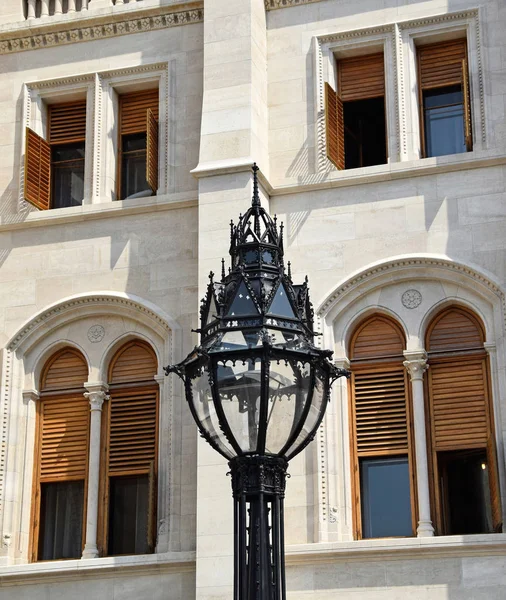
342,363
416,363
30,396
96,394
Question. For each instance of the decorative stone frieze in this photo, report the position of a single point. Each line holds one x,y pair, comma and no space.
273,4
88,33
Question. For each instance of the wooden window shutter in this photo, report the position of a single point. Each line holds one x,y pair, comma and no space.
133,110
458,403
466,92
493,477
378,337
135,362
64,438
455,329
67,123
37,189
380,411
440,65
334,122
152,150
152,507
361,77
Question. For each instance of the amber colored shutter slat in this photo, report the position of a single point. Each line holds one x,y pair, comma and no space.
468,129
495,492
334,124
37,170
64,438
67,123
132,433
68,371
453,331
152,150
378,338
440,65
133,108
380,412
135,363
458,398
361,77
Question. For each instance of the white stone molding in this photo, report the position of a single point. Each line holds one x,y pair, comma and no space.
96,394
275,4
35,117
326,47
378,287
448,24
416,365
62,324
50,34
165,449
159,73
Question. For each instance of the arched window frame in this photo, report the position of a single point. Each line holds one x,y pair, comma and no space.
141,388
472,355
56,394
380,364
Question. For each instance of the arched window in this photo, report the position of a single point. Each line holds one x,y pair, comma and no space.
61,458
129,457
461,431
381,447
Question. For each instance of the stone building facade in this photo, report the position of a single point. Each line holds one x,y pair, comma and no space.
405,242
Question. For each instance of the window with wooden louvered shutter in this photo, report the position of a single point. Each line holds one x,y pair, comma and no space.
61,459
445,100
383,460
54,169
138,143
130,453
461,431
355,114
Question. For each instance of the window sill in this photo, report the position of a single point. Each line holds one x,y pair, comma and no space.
399,548
62,569
388,172
103,210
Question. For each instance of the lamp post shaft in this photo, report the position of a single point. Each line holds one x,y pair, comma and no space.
258,484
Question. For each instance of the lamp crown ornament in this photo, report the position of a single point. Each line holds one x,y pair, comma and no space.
257,387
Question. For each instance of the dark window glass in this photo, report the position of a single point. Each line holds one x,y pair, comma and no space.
364,133
128,515
444,121
242,304
386,503
67,162
61,520
281,305
465,493
133,165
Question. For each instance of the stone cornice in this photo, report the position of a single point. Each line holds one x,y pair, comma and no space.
274,4
52,34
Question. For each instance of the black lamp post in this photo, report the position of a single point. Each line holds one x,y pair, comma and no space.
257,388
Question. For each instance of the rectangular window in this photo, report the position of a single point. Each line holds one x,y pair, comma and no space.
465,492
356,122
138,144
128,515
386,497
54,168
445,109
61,517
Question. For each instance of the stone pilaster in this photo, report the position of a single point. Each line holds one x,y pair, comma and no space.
416,365
96,394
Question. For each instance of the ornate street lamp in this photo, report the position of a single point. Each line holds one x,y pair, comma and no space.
257,388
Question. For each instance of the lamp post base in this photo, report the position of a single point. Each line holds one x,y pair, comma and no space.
258,485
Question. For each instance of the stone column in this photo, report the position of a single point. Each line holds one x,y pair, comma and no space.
96,394
58,7
416,364
44,12
31,9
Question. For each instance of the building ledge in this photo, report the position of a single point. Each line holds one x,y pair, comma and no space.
397,549
101,210
175,562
